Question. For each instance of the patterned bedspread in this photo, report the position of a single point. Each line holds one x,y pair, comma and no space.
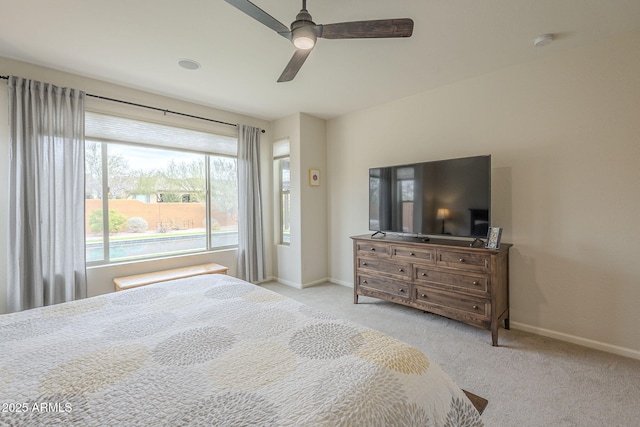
213,351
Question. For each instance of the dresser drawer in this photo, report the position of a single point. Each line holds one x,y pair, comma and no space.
466,260
386,286
425,256
375,249
477,283
478,307
400,269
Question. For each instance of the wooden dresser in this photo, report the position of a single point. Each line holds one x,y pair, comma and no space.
445,277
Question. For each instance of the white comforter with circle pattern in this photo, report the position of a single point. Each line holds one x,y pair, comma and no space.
213,351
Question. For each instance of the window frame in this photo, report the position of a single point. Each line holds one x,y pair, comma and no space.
105,261
281,194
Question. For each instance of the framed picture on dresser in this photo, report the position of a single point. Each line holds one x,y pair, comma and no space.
493,238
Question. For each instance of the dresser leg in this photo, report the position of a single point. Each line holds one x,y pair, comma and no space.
494,336
506,324
355,298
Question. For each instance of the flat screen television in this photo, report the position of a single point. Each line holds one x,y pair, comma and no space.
445,197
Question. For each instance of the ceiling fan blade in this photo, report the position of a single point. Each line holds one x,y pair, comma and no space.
294,65
382,28
261,16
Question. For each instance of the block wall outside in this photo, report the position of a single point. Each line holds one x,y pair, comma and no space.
171,216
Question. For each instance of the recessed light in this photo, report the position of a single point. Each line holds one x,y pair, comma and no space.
188,64
543,40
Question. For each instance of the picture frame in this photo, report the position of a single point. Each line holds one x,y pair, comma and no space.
314,177
493,238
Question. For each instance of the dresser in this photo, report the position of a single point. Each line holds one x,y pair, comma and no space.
445,277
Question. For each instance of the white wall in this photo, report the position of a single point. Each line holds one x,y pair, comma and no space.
564,135
314,201
100,278
303,262
288,258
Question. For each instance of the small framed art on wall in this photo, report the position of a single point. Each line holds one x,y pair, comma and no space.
314,177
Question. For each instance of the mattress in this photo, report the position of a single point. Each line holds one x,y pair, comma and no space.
214,350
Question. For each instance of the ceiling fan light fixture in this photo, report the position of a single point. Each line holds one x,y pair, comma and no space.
304,37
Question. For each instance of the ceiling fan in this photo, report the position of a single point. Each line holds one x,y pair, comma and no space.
304,32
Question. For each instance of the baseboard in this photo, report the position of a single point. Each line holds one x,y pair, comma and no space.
288,283
301,285
315,282
597,345
341,282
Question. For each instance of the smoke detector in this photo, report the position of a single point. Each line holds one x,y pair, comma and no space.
543,40
188,64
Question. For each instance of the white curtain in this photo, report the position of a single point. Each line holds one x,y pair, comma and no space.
46,250
251,266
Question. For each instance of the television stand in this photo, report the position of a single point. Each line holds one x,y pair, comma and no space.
445,277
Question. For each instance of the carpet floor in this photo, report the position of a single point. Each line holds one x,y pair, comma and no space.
529,380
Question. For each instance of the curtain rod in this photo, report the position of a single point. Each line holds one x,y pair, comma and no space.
165,111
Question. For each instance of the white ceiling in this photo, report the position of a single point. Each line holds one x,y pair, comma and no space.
137,43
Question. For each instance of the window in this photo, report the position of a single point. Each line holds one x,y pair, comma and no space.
148,196
285,201
223,179
282,164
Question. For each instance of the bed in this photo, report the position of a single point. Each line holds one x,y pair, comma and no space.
213,351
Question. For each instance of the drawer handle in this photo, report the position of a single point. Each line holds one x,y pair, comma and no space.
424,274
401,270
364,263
412,254
372,249
475,283
364,281
475,307
423,295
461,260
400,290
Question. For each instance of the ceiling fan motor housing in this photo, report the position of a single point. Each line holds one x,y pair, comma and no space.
303,31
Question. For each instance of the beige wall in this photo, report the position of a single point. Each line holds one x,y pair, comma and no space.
100,278
564,135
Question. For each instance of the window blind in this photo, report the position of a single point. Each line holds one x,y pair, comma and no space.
119,129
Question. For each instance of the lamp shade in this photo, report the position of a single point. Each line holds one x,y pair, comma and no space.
442,213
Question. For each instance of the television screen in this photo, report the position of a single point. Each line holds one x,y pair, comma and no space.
444,197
